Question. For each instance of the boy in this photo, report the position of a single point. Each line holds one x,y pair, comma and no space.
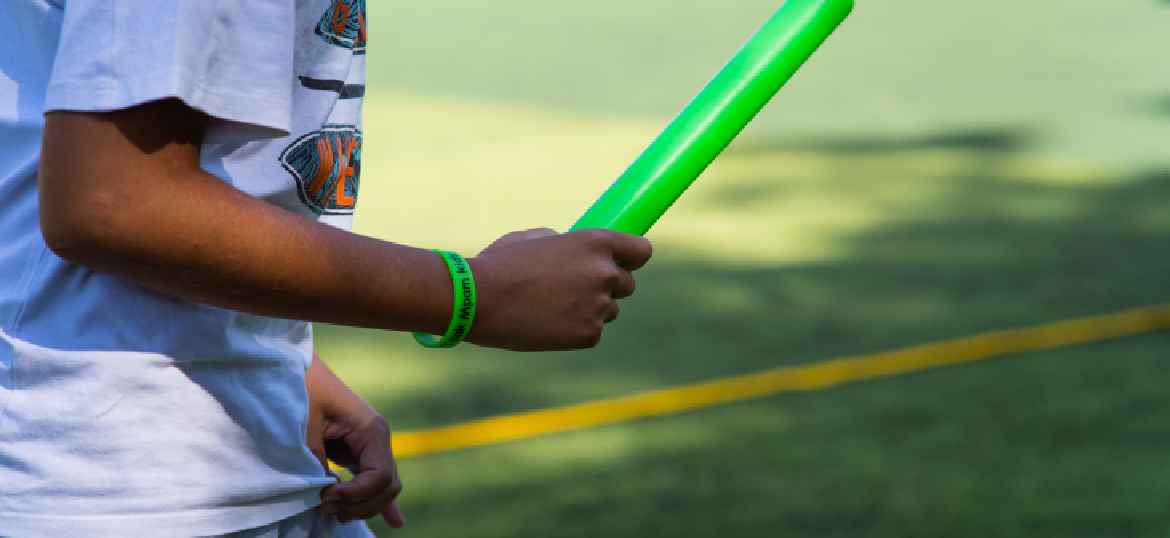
177,179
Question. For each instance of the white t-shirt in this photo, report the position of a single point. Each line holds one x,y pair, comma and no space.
124,411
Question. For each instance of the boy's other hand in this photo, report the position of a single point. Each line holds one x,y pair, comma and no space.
345,429
543,291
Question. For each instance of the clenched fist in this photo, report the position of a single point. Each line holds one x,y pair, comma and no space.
543,291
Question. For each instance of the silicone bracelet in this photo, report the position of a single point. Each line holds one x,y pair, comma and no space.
463,311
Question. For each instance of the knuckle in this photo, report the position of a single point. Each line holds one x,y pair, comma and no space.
591,338
595,237
647,248
603,308
382,423
625,281
609,275
385,478
379,424
347,496
361,513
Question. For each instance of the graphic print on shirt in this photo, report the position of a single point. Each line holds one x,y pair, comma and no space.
327,166
343,90
344,25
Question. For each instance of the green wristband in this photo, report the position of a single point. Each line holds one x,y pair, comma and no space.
463,314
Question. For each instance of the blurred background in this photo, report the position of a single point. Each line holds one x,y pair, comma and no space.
939,169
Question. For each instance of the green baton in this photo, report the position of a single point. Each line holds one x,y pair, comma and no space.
716,116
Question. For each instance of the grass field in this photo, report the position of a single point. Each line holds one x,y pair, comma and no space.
939,170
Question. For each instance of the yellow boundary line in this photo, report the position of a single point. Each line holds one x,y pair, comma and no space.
822,375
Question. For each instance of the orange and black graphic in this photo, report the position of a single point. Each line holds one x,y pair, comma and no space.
344,25
327,165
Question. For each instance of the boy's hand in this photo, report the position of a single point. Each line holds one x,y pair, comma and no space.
345,429
540,291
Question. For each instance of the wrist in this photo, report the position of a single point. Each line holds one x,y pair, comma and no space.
463,307
485,281
332,397
438,313
351,410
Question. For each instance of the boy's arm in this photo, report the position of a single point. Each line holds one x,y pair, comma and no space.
123,192
344,428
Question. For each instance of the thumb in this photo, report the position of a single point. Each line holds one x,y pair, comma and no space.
393,515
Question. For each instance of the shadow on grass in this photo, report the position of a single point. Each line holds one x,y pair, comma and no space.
1160,106
1067,443
992,140
987,249
1063,444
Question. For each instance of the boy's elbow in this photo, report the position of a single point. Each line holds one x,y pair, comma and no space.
78,227
100,174
69,242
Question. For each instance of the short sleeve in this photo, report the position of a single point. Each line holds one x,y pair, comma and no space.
232,59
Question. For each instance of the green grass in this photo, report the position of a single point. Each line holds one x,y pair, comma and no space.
939,170
1067,444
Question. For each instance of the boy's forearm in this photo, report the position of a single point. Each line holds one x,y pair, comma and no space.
149,214
236,252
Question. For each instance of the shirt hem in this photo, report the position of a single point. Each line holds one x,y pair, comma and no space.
206,522
223,103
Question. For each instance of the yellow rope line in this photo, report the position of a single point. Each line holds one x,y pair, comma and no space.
810,377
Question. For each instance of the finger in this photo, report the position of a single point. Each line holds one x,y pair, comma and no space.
328,509
372,507
394,516
631,251
624,285
362,488
365,510
614,311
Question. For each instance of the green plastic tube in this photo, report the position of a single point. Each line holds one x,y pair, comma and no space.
716,116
